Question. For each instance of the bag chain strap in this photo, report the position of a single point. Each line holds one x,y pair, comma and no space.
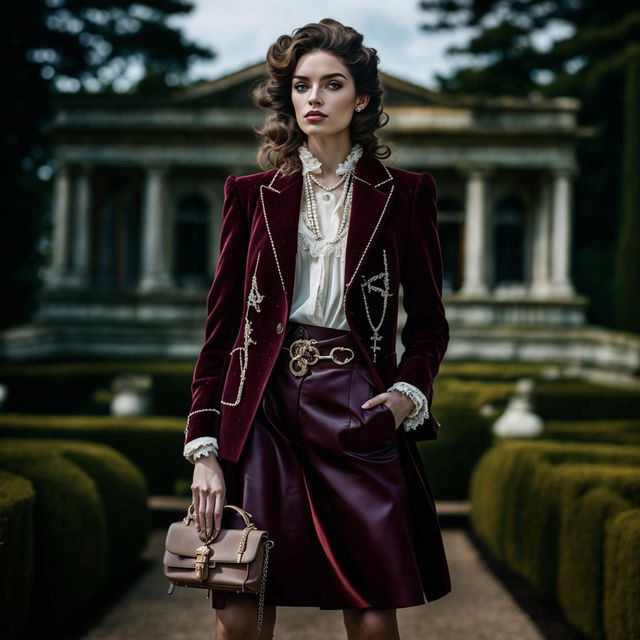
267,545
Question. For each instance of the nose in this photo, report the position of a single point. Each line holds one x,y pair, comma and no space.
314,98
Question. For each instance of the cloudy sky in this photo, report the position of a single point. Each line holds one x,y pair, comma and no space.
241,32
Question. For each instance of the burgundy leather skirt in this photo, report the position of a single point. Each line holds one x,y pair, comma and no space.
324,477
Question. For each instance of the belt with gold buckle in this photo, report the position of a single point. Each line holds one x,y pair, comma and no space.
304,354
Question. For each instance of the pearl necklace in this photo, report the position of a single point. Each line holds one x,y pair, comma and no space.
346,171
311,212
337,184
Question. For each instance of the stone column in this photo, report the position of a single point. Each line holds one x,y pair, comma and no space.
155,260
475,234
540,277
79,273
58,270
561,234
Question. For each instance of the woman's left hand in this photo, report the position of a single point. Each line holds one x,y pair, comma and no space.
399,403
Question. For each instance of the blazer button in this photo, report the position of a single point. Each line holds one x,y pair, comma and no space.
279,327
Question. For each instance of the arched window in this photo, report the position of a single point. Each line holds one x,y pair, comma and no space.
191,242
509,232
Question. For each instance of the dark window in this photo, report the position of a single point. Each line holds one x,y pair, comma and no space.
116,231
509,240
450,228
191,242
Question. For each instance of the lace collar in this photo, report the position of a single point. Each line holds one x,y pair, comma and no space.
311,164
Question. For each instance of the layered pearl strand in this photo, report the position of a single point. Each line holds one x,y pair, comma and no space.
311,211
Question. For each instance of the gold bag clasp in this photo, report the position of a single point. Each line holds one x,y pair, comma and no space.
202,562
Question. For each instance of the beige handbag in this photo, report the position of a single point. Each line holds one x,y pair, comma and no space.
233,560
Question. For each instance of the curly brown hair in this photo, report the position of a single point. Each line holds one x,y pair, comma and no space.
281,135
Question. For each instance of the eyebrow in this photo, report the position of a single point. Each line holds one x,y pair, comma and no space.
327,75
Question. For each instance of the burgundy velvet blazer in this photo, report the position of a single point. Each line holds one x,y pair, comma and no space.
392,239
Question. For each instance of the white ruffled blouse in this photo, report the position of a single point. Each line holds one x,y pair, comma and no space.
319,282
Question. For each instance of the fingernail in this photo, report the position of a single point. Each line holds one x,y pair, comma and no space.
365,405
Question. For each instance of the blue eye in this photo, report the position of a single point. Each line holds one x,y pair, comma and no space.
303,84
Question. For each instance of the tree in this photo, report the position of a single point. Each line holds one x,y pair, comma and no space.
51,47
586,62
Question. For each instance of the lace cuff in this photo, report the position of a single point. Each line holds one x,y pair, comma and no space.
421,411
200,447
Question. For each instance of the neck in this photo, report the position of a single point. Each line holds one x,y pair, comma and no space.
330,150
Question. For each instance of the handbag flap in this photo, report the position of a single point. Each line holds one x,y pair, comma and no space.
183,540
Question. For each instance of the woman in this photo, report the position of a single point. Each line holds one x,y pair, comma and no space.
300,413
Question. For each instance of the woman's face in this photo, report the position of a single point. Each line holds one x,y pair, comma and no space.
320,82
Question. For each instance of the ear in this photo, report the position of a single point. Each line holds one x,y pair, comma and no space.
363,101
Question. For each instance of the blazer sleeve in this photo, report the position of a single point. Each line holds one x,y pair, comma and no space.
224,307
425,335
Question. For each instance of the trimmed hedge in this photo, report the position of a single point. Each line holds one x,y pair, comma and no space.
123,490
67,508
621,584
591,495
582,400
17,501
489,371
85,387
535,504
582,561
465,435
91,521
153,443
612,431
473,393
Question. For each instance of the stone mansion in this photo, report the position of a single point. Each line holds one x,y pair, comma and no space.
138,199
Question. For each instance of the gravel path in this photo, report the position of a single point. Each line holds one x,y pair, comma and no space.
477,608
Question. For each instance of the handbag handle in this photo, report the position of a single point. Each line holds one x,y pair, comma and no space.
245,514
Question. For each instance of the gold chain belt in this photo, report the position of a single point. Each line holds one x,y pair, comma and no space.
304,354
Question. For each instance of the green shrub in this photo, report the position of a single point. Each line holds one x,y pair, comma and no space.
152,443
621,607
123,489
465,435
591,495
472,393
612,431
489,371
17,500
69,532
90,521
543,507
79,387
580,400
515,501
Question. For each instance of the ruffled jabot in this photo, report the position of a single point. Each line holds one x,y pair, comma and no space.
311,164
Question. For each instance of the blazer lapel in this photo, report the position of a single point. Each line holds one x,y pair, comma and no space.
373,192
280,203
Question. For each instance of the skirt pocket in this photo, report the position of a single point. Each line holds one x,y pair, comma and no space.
371,431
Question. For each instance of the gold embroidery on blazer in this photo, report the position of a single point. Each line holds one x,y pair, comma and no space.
253,300
266,221
367,286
